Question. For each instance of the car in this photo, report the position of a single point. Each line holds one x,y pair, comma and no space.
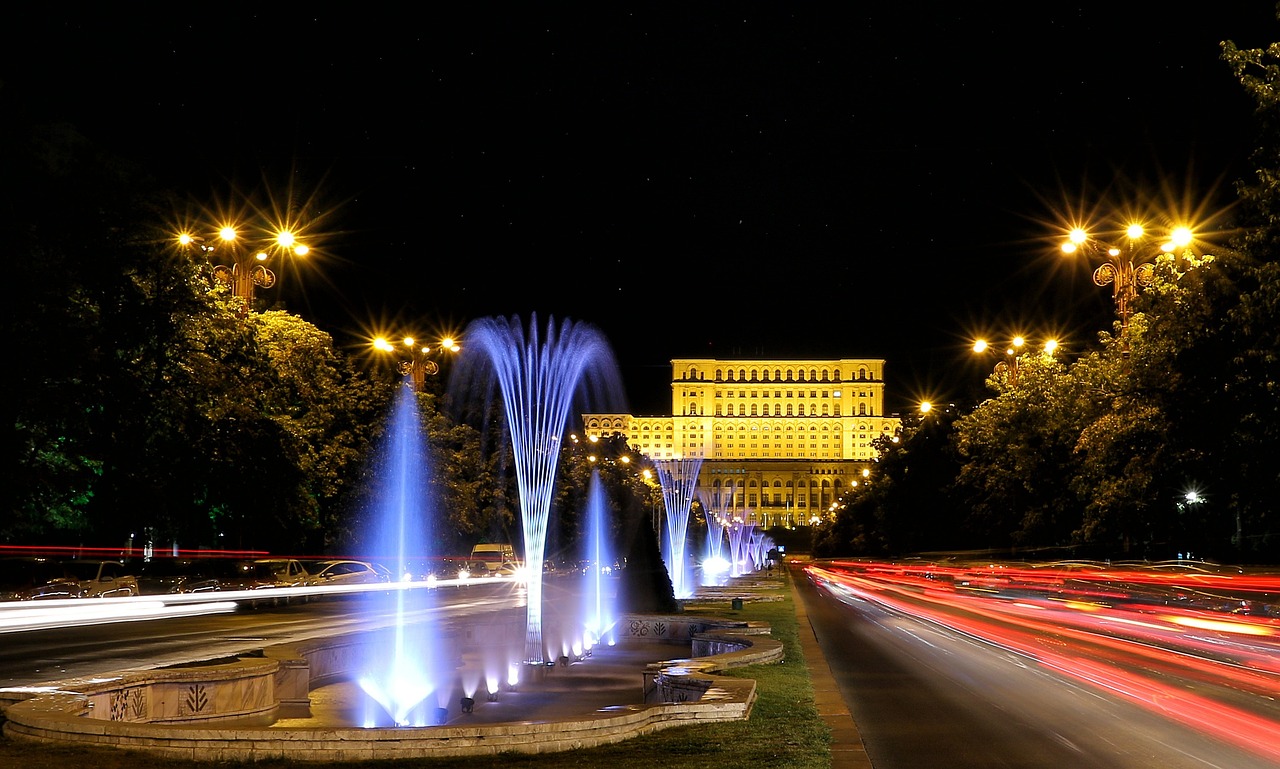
289,572
345,572
221,574
435,569
81,579
21,573
163,575
491,558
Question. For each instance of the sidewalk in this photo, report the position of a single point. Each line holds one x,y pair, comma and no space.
847,750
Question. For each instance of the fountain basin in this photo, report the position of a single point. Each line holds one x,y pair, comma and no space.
219,711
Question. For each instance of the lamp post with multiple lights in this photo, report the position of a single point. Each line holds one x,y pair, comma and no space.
1007,367
1128,264
242,265
417,362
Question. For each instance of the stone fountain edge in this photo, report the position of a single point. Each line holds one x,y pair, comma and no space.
184,712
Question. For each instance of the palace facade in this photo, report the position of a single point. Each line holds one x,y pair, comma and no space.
778,440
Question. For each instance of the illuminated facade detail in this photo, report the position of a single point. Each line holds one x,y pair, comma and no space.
778,439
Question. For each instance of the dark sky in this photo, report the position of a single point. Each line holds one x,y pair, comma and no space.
885,180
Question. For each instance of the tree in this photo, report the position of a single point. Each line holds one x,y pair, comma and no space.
1017,456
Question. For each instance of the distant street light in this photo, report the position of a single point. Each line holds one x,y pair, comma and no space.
1007,367
1128,265
242,265
417,361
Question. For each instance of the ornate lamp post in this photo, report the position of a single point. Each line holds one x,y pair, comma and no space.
1007,367
417,361
243,266
1128,265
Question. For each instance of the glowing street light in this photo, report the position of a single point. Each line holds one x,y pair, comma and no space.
242,265
416,362
1007,367
1129,264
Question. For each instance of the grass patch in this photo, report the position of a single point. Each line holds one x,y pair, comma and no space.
784,728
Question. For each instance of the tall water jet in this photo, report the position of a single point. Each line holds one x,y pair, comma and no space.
679,479
408,665
739,539
714,564
755,552
539,376
598,612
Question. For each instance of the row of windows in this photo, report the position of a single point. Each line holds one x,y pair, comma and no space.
757,410
778,501
730,487
780,375
779,393
605,427
790,427
657,452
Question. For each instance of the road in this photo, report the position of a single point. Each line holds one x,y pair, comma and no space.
32,657
935,679
934,672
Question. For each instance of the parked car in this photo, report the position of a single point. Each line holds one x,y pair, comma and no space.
21,573
81,579
163,574
220,574
345,572
489,557
289,572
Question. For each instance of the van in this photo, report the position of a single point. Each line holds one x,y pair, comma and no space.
491,557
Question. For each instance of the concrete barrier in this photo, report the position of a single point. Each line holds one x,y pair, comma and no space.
220,710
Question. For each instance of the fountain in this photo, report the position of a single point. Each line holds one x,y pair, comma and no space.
714,565
539,376
387,682
407,668
599,617
739,540
679,479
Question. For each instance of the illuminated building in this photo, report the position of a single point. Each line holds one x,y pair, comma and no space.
778,439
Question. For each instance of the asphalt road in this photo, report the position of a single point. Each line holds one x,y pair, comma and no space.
926,696
36,656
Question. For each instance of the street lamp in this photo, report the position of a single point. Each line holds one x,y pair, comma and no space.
1129,265
1007,368
247,268
417,362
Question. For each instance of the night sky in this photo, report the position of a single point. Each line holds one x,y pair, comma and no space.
693,179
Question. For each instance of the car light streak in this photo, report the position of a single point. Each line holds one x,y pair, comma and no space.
78,612
16,616
1117,644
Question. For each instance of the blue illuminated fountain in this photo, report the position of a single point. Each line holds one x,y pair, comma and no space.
679,479
715,567
402,677
598,609
739,541
540,372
